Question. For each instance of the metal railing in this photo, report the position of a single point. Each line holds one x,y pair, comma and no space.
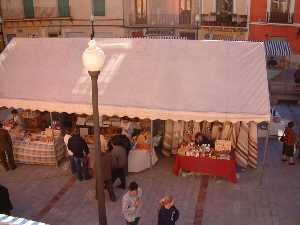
278,17
186,18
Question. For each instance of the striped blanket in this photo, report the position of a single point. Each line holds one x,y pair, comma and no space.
10,220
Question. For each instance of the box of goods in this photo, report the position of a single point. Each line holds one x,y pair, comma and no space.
222,146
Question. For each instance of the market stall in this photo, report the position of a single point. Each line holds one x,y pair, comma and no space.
33,143
176,80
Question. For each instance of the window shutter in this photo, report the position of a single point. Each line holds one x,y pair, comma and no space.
28,8
63,8
99,7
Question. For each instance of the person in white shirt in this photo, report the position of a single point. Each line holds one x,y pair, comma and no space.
131,204
69,152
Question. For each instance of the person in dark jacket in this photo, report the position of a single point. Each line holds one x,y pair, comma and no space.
122,140
5,203
106,165
297,75
168,213
80,150
119,164
6,150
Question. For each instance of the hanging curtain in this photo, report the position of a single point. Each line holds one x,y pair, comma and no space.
226,131
252,151
241,151
216,130
63,8
206,128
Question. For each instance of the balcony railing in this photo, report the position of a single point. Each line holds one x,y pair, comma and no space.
278,17
39,12
186,18
231,20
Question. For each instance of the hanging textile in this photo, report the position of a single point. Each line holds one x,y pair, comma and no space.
173,136
167,145
177,136
196,128
216,130
206,128
241,151
252,143
226,131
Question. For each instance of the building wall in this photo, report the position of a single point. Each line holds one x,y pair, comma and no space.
264,30
78,25
269,31
297,12
258,10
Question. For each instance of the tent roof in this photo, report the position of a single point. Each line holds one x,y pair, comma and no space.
156,79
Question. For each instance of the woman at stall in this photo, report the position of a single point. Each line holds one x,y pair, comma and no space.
200,139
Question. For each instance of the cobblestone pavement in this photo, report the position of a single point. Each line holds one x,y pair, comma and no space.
51,195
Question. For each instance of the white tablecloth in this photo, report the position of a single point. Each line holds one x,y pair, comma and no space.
139,160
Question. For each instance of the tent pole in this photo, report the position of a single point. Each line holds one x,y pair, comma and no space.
266,151
152,148
54,145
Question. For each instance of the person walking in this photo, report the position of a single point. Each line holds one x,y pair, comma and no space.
6,150
106,164
80,151
168,213
131,204
69,152
5,203
289,141
119,164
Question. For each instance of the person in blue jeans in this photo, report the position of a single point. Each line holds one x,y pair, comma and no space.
80,150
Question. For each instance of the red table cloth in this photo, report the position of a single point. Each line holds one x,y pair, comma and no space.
213,167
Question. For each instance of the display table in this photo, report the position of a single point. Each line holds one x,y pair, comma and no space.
140,160
41,153
213,167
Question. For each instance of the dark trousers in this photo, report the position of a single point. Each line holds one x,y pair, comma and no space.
109,187
135,222
119,173
82,170
288,150
72,164
7,159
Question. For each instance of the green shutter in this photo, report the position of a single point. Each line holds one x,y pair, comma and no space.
63,8
28,8
99,7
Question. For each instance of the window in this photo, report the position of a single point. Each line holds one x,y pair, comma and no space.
224,6
99,7
63,8
279,11
185,11
224,11
280,6
141,11
28,8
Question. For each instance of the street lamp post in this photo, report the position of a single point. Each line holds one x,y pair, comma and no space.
197,20
93,60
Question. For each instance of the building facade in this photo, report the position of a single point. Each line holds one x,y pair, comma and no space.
216,19
276,19
61,18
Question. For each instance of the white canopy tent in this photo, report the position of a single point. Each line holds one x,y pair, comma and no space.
156,79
